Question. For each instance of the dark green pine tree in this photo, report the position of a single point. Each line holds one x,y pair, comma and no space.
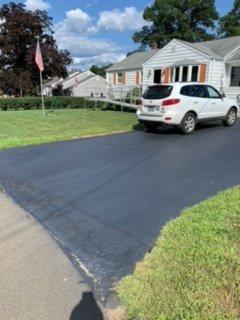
229,25
189,20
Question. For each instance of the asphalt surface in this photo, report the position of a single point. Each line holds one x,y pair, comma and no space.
106,199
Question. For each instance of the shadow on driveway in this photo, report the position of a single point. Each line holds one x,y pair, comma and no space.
87,309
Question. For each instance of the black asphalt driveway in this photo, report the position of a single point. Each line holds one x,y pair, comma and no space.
106,199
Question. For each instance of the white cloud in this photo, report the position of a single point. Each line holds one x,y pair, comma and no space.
120,20
75,33
100,59
37,5
87,51
76,21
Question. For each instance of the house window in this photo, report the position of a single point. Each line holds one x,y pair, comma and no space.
185,73
120,78
157,76
235,77
177,74
194,76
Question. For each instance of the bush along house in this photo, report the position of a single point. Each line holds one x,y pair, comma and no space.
215,62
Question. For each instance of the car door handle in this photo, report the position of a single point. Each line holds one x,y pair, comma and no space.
214,103
196,102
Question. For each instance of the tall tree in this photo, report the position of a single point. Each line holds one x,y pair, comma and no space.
100,70
19,29
189,20
229,25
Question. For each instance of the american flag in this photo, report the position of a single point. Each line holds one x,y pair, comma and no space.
38,58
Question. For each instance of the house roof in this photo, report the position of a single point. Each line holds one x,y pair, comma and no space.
234,57
70,84
50,82
79,76
134,61
217,49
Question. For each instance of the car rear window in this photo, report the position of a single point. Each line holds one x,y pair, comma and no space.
157,92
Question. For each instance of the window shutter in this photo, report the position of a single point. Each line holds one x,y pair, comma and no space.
203,73
114,78
124,77
166,75
137,77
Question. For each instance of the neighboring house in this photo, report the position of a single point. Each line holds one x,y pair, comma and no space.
50,86
216,62
84,84
78,84
127,74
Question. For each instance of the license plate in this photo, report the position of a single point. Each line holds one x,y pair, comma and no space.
150,109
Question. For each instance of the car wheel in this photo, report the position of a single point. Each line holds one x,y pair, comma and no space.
189,123
231,118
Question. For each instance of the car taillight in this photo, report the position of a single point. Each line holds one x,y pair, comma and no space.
170,102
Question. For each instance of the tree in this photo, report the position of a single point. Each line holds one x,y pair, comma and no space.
100,70
19,29
229,25
189,20
140,49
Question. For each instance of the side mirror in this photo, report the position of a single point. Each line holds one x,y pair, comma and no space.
223,95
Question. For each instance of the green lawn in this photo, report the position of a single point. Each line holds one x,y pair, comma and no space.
20,128
193,272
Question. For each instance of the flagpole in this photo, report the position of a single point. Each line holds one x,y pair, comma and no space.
40,72
43,105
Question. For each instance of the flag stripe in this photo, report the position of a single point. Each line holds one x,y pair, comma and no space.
38,58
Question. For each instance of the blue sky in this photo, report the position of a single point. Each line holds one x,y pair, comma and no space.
98,31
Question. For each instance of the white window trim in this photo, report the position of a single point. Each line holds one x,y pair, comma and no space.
117,78
140,76
189,75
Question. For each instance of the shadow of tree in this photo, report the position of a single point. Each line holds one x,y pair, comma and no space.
87,309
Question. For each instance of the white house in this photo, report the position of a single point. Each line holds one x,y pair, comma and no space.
52,85
127,74
78,84
216,62
85,84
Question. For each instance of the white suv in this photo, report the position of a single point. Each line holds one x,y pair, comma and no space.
184,105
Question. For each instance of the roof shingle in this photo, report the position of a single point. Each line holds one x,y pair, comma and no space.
133,62
217,49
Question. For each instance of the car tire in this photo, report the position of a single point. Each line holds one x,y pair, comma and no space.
231,118
189,123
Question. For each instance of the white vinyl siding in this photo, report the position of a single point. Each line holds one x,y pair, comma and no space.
230,91
217,76
117,90
130,77
168,56
95,86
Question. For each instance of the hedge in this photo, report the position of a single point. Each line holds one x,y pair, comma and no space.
33,103
50,103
